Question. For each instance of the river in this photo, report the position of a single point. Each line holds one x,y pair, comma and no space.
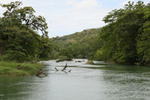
84,82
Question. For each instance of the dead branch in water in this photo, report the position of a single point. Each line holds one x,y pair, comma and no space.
65,67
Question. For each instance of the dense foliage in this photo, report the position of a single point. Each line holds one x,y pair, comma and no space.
126,37
19,40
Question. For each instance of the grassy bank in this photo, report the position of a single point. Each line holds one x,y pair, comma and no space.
19,69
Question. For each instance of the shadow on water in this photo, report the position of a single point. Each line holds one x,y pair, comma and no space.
13,87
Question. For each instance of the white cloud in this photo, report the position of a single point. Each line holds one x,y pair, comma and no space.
82,14
83,3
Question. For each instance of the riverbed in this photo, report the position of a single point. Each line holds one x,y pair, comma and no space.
80,81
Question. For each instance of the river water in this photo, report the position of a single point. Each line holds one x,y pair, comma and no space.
84,82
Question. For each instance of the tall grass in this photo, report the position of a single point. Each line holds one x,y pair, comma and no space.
16,69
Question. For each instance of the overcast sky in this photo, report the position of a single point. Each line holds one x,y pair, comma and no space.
68,16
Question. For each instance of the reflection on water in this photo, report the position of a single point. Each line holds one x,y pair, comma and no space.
81,84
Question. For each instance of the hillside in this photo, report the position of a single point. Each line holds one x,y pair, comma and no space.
80,44
77,37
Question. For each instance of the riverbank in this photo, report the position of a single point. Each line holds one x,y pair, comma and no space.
19,69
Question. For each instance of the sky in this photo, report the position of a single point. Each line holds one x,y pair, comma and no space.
69,16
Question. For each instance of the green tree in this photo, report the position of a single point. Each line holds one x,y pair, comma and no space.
125,38
143,45
19,40
25,16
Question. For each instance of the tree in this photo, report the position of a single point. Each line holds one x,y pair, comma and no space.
143,44
19,40
125,38
25,15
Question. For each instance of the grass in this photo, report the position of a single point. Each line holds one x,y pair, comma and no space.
19,69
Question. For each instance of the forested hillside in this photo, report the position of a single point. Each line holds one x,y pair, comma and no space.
78,45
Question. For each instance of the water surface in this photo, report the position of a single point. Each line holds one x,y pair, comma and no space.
84,82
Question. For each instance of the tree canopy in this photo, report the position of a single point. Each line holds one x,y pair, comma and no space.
126,37
19,38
